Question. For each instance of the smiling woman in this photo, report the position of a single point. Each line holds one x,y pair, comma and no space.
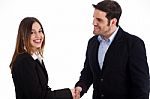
37,36
28,70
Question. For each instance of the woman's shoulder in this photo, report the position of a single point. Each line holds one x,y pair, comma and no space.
23,57
22,60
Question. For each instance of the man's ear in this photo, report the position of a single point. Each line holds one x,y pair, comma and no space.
113,21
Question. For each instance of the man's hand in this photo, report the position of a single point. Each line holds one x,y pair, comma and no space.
77,92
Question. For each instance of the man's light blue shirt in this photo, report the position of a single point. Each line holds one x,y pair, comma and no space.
104,45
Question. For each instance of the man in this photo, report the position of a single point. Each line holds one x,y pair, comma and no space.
116,61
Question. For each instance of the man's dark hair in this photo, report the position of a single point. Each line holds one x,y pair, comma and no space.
112,9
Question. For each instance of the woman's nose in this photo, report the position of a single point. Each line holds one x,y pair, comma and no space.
37,34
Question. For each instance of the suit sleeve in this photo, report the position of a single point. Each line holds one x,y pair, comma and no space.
139,71
28,85
86,78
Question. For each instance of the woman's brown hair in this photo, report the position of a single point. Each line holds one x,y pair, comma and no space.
23,38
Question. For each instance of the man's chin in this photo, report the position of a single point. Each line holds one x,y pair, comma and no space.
95,33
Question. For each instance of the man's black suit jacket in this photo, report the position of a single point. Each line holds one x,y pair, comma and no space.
125,72
31,80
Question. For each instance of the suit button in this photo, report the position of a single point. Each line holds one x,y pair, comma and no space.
102,95
102,79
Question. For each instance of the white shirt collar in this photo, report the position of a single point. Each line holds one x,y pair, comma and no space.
113,35
37,56
34,56
110,39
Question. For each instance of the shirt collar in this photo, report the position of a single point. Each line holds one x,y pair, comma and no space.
110,39
36,56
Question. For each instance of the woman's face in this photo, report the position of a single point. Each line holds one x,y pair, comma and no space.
36,37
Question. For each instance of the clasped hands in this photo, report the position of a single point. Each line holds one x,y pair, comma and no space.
76,92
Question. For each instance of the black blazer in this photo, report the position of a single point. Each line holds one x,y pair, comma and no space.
125,72
31,80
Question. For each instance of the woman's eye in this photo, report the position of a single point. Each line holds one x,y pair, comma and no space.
40,31
32,32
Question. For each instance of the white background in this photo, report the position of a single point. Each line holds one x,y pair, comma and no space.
68,26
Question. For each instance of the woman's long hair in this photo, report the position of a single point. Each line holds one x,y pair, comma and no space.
23,38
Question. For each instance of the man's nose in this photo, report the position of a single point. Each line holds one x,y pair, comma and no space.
94,22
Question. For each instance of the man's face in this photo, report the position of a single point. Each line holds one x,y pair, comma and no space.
101,24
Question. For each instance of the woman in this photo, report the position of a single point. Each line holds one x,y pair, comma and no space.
28,70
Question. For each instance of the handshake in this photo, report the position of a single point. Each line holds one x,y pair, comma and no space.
76,92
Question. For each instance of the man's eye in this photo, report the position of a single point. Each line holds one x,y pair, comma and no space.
99,20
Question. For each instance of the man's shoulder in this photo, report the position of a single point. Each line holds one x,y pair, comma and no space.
93,38
129,36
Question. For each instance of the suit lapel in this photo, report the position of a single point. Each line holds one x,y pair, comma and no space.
114,47
94,53
43,68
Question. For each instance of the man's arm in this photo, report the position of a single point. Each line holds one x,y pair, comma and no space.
139,71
